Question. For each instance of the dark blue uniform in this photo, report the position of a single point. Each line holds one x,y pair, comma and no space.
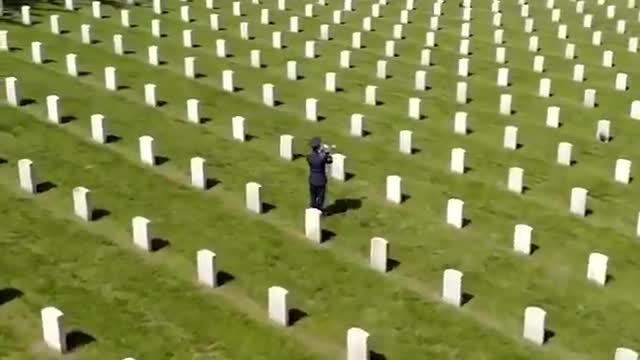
317,160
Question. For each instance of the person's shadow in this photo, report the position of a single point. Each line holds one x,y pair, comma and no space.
341,206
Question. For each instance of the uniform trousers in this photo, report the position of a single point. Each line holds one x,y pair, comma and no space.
317,193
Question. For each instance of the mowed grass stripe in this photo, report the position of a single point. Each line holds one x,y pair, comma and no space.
580,266
331,293
129,306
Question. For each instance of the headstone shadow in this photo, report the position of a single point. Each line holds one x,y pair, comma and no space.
45,186
112,139
9,294
327,235
392,264
548,335
466,298
376,356
158,244
211,183
267,207
341,206
98,214
159,160
295,315
534,248
223,278
77,338
25,102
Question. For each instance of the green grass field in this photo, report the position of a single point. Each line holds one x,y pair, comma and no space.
149,306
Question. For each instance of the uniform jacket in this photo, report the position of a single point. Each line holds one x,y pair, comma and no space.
317,161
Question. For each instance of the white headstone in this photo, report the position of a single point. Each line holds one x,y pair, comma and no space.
221,48
26,176
356,40
505,104
562,31
337,17
53,332
4,40
268,96
366,24
465,30
152,54
286,147
631,47
425,57
184,13
522,239
452,287
625,354
37,53
405,142
155,28
292,70
98,133
501,55
634,113
237,10
53,113
570,51
157,7
357,344
397,32
370,95
278,310
193,110
253,201
145,144
389,48
214,22
498,35
206,265
621,26
338,167
461,92
198,173
596,38
294,24
264,16
621,82
603,130
414,108
578,204
237,128
124,18
110,78
324,32
310,49
607,58
381,69
578,73
330,82
187,40
82,203
25,14
244,31
553,117
11,88
311,109
378,257
463,67
85,33
54,21
68,5
420,80
503,77
564,153
96,9
510,140
533,44
497,19
255,58
534,328
597,268
538,63
141,232
150,95
515,180
457,160
455,212
312,228
227,80
345,59
611,11
544,89
622,171
589,98
394,189
276,40
308,10
118,46
460,123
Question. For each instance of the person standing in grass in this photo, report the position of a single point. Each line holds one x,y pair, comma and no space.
318,159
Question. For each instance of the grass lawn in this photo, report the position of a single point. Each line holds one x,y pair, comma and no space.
148,305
